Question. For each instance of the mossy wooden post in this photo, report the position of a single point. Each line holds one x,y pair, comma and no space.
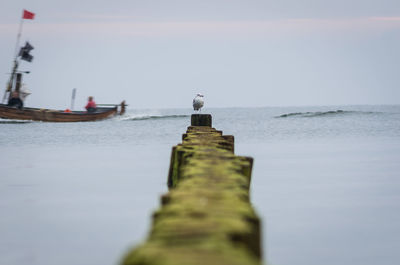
201,120
206,218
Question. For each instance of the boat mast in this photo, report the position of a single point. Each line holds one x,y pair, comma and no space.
11,80
25,15
19,35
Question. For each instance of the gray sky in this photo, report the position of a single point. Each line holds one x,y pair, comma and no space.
158,54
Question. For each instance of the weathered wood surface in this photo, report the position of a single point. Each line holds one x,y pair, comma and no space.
206,218
201,120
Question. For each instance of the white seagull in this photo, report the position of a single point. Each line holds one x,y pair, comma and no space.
198,102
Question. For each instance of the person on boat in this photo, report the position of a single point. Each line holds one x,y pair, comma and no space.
91,105
15,100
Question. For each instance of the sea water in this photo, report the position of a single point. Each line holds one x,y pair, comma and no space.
325,182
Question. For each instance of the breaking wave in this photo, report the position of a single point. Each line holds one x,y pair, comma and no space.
321,113
151,117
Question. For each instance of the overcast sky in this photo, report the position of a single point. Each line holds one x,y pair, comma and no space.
159,54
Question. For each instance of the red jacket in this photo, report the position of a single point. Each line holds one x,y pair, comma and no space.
91,104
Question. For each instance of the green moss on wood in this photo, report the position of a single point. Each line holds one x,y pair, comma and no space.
206,218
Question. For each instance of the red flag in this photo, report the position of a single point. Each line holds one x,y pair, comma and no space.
28,15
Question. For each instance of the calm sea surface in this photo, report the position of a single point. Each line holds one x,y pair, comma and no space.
326,183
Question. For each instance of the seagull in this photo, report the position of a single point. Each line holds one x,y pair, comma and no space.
198,102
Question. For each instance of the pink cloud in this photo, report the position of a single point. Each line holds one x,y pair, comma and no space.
395,19
287,27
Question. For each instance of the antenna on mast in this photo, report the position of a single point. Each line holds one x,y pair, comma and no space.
73,98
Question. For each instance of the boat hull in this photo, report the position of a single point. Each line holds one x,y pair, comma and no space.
48,115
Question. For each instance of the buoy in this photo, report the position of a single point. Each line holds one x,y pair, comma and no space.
67,110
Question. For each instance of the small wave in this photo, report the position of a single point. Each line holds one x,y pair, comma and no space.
318,113
151,117
5,121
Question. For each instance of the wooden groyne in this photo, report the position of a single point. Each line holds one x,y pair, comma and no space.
206,217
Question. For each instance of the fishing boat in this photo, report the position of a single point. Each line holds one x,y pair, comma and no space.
49,115
8,111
